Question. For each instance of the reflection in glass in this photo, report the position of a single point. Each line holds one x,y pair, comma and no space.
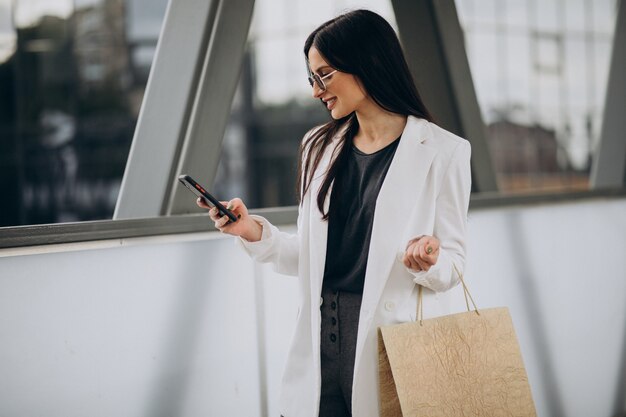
71,90
73,72
540,79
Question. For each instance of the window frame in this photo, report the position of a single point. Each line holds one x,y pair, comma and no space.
62,233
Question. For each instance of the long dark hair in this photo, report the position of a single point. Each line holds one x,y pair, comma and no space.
363,44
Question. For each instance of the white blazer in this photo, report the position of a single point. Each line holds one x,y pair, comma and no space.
426,192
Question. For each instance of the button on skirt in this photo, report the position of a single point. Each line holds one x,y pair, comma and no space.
340,322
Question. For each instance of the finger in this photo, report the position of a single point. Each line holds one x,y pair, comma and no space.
237,206
424,266
201,203
405,261
213,214
224,219
424,256
426,243
219,212
221,222
216,215
433,242
434,246
235,203
411,250
413,263
431,257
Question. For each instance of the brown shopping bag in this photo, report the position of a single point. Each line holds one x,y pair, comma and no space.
466,364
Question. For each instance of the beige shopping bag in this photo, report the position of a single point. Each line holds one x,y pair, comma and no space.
466,364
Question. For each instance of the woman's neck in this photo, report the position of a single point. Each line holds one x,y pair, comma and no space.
378,128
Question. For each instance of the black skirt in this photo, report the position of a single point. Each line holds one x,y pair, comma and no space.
340,322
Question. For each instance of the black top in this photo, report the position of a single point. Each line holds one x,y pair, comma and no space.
351,215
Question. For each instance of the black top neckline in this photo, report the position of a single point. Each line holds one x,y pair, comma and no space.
360,152
357,184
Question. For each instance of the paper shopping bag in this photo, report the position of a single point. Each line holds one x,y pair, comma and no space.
466,364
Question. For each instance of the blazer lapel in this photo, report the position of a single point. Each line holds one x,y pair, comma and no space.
406,175
408,170
319,227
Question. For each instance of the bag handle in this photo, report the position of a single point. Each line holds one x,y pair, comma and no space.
466,293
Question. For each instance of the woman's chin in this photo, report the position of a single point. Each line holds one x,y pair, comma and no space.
337,114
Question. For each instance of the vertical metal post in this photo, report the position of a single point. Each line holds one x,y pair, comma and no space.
211,110
608,168
166,106
186,105
435,49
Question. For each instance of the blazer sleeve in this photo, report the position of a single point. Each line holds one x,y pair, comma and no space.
450,223
281,249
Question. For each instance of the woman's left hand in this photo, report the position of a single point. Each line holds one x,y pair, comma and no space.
421,253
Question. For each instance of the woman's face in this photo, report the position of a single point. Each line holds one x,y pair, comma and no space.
344,94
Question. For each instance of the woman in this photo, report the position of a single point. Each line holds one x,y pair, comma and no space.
384,194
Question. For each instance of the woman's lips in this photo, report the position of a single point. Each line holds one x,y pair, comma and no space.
331,103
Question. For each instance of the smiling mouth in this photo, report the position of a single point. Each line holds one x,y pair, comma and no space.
330,103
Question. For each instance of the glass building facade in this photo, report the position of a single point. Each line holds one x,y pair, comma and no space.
73,74
540,70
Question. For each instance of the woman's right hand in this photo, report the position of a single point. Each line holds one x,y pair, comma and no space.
245,227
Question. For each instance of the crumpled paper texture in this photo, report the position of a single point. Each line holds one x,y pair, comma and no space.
458,365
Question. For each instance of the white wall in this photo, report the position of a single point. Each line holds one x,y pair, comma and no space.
155,329
561,269
177,325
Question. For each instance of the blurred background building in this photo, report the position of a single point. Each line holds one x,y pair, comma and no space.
73,78
73,74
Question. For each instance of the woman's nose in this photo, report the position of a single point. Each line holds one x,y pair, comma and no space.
316,91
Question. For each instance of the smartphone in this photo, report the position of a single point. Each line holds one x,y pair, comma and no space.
199,190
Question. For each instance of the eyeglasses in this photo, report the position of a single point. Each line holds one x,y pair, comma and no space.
314,78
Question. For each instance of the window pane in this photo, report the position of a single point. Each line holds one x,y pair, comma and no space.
542,97
518,79
485,13
546,14
516,13
72,76
574,15
604,14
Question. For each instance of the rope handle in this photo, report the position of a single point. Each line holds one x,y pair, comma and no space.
466,293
